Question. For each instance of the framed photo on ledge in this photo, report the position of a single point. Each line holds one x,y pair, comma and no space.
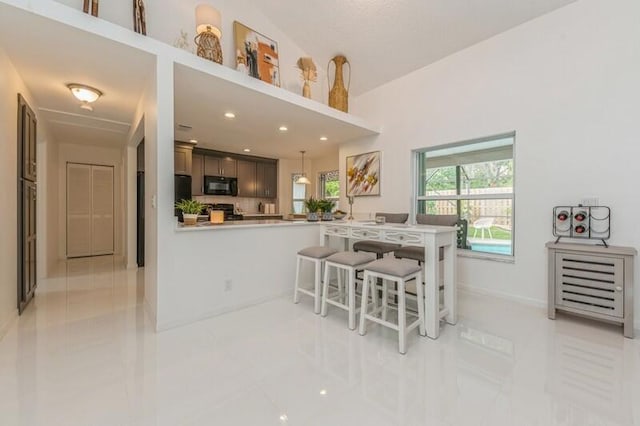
363,174
256,55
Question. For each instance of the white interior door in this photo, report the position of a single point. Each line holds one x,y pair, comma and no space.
90,224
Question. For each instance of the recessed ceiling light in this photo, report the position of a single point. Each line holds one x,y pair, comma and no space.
323,392
283,128
193,140
246,150
229,115
324,138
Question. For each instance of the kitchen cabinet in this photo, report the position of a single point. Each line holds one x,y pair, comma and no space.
246,178
197,174
266,179
182,159
220,166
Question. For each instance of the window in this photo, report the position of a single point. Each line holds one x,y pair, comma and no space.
473,180
299,194
329,184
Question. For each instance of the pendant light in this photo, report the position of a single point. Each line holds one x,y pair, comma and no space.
303,178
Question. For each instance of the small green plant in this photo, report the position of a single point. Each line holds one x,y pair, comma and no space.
189,206
326,205
312,205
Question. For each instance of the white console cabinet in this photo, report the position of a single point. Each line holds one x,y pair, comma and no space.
592,281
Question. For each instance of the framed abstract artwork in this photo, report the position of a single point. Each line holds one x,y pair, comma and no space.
256,55
363,174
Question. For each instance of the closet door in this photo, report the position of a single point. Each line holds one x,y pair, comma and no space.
78,210
102,210
90,205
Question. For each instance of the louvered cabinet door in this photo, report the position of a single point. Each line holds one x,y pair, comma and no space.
78,210
590,283
102,210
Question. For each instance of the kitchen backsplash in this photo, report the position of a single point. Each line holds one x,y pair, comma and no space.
247,205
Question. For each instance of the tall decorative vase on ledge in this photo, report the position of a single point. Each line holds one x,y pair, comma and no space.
339,94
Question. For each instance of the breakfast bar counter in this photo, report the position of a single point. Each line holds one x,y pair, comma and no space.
427,236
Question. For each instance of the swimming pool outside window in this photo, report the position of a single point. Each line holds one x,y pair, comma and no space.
475,181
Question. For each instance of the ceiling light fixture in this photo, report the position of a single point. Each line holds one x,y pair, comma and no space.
85,94
303,178
229,115
323,138
208,28
193,140
246,150
283,128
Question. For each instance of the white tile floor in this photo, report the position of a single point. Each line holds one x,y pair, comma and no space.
85,354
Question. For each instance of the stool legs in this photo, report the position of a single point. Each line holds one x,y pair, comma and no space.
363,304
317,281
352,300
296,295
325,288
402,318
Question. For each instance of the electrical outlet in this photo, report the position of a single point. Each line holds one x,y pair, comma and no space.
228,285
590,201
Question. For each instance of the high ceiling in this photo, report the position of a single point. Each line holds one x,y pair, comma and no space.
383,39
386,39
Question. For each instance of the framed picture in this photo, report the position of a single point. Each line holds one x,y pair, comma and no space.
363,174
256,54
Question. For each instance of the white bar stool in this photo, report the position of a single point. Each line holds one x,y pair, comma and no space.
317,255
347,262
399,271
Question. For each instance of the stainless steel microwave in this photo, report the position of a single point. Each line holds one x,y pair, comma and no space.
220,185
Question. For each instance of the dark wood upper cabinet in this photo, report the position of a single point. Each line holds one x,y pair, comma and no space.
197,174
220,166
182,158
246,178
266,179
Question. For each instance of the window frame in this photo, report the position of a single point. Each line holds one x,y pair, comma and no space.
294,177
321,185
416,198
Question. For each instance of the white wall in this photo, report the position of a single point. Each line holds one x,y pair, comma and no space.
568,84
166,18
83,153
10,85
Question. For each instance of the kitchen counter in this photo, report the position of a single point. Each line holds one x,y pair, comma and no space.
242,224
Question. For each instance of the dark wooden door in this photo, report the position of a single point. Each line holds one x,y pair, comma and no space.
29,280
26,190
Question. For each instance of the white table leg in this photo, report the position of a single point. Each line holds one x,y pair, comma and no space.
432,297
450,286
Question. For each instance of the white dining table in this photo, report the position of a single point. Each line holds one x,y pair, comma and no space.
427,236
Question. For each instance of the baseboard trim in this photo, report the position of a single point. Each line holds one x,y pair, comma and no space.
4,327
486,292
225,310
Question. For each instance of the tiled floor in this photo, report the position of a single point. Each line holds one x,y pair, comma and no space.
84,354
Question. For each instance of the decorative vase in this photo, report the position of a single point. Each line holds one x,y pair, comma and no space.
312,217
326,216
339,95
190,219
306,89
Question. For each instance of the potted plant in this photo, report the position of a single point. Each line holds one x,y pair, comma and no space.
326,206
190,210
312,205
